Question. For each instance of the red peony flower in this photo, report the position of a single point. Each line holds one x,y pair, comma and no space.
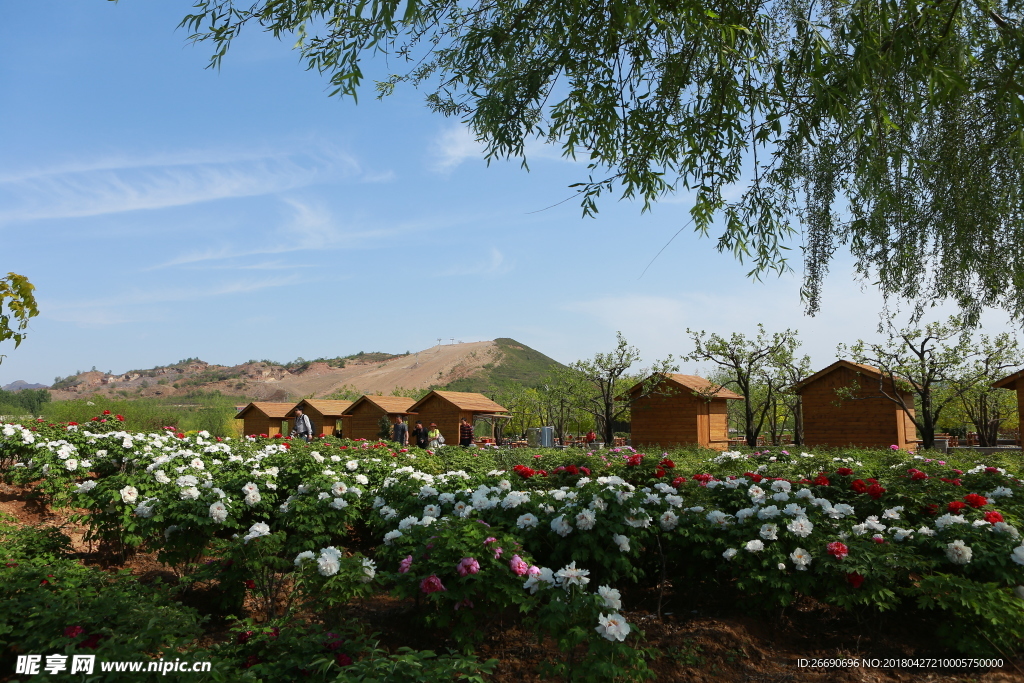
678,481
931,509
106,412
992,517
992,470
244,637
73,631
859,486
844,471
119,418
659,472
976,501
855,579
667,464
251,660
432,584
837,549
956,506
92,642
342,659
250,584
917,475
821,480
875,491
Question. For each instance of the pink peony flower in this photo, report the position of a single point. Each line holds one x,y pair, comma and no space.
489,540
837,550
432,584
404,565
534,570
466,566
497,553
519,568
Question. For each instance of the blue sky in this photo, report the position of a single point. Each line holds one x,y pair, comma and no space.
166,211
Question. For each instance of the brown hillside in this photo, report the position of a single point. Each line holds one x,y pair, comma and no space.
260,381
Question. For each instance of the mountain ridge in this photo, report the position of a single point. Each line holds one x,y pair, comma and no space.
475,366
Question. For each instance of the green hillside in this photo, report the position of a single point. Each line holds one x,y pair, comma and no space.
519,364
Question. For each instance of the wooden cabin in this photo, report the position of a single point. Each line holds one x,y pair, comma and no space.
447,408
325,414
262,417
680,410
362,418
864,418
1011,382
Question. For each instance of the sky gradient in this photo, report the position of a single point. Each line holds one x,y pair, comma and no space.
166,211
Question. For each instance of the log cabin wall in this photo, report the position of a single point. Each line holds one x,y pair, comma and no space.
667,420
718,413
444,413
866,420
364,421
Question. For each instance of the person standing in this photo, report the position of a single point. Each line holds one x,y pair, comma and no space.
419,435
401,431
434,438
303,427
465,433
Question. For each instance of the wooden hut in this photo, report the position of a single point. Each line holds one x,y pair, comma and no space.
679,410
362,418
262,417
325,414
863,417
1011,382
447,408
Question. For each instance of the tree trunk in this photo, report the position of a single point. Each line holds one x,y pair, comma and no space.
798,422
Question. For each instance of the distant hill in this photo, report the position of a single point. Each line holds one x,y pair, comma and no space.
20,384
476,366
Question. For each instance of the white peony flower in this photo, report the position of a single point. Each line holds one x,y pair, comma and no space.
569,575
730,553
256,530
1017,554
527,521
252,498
801,526
668,520
304,556
801,558
190,493
129,494
770,531
161,477
623,543
369,570
392,535
718,518
329,561
352,465
770,512
613,627
754,546
585,520
611,597
959,552
218,512
561,526
781,485
86,486
338,503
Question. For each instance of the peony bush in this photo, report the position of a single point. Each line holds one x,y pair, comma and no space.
473,534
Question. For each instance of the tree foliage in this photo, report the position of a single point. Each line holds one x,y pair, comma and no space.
942,365
760,369
17,306
894,128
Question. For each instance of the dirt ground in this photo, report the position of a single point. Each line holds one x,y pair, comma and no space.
701,639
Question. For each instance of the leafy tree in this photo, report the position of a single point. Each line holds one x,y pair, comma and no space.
596,385
17,305
757,368
987,408
894,127
939,363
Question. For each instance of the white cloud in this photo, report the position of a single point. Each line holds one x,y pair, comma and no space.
114,185
494,265
454,145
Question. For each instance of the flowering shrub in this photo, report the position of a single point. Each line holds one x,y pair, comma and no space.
465,571
849,528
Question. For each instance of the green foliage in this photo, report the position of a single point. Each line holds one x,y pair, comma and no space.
981,620
197,411
24,401
17,306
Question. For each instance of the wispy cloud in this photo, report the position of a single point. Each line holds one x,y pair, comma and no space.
118,185
453,146
495,264
138,305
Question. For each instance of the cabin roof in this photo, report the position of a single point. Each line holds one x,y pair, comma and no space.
277,410
693,383
389,404
1008,381
464,400
324,406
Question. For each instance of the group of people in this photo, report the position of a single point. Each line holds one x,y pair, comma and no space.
432,437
